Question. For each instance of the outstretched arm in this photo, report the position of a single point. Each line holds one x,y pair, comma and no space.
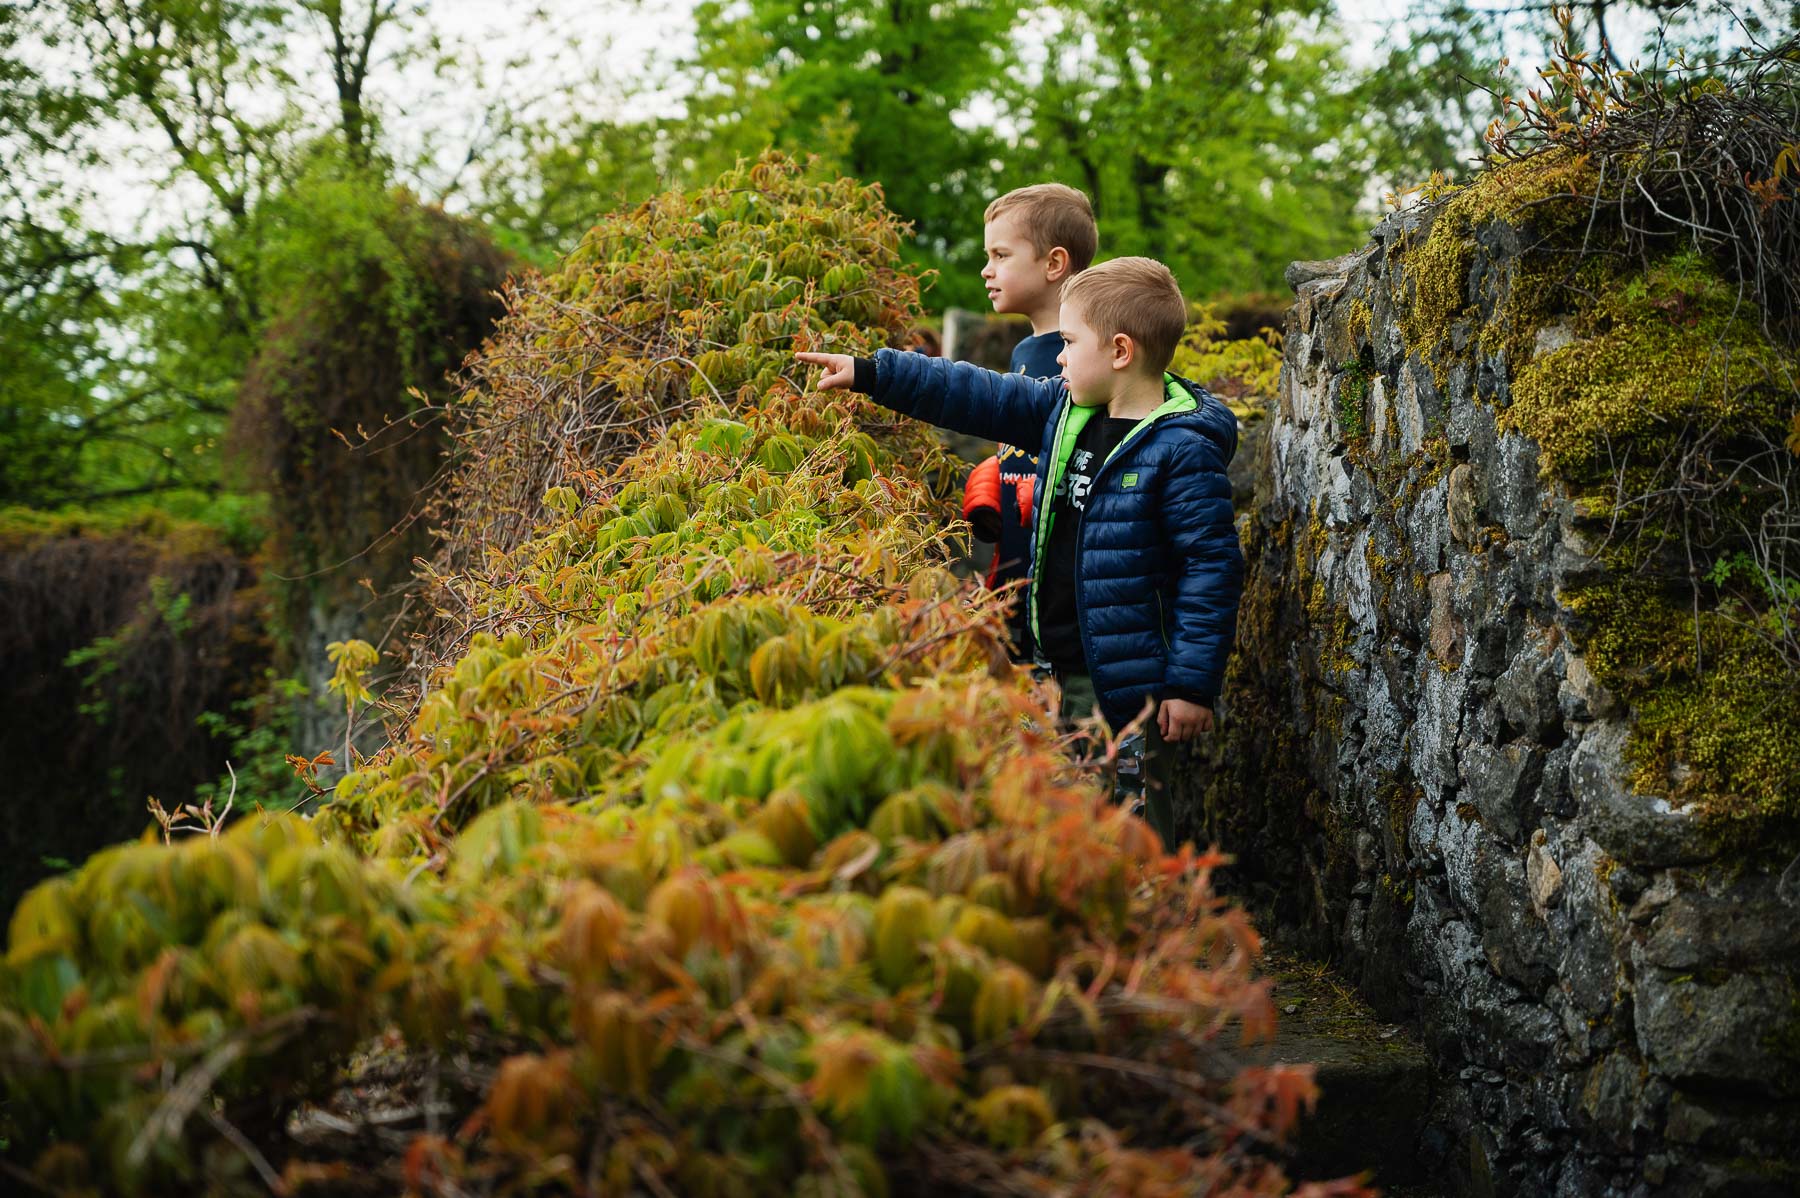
984,403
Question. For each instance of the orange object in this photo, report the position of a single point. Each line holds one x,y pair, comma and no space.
983,488
1025,488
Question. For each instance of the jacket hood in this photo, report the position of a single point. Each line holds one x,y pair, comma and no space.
1210,416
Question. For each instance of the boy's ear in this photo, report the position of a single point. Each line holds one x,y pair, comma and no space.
1124,351
1056,264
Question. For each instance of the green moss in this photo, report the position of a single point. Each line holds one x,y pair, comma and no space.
1306,553
1331,716
1783,1042
1259,609
1352,399
1652,351
1440,275
1316,602
1764,1168
1546,195
1359,322
22,528
1325,1002
1334,653
1399,800
1656,352
1547,285
1405,479
1435,455
1381,573
1715,724
1330,621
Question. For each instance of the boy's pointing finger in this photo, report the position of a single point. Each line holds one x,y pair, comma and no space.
840,369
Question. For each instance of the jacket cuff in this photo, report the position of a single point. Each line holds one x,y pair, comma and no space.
1188,695
864,381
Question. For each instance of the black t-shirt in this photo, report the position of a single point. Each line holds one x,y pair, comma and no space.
1059,629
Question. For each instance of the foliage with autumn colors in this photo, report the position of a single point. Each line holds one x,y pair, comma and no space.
721,852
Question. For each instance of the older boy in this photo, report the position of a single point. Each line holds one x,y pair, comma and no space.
1036,238
1136,570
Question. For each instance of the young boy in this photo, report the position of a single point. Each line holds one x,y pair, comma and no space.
1136,570
1036,238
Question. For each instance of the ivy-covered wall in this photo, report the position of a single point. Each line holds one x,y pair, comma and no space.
1501,737
129,646
336,424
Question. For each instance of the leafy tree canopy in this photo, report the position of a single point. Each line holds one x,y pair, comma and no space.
1227,139
132,328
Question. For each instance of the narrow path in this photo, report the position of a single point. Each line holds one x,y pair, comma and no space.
1375,1110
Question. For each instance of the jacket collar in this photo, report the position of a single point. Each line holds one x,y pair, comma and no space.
1185,402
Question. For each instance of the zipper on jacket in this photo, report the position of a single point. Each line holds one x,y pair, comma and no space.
1045,512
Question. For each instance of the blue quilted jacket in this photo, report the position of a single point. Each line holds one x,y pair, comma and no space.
1158,567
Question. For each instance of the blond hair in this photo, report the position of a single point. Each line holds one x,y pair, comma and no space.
1134,296
1052,215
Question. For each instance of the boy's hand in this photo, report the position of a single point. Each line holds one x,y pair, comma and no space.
1177,719
840,369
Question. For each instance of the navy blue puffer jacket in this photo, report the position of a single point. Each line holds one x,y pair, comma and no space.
1158,568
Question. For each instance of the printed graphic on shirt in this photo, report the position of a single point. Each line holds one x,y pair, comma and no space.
1016,461
1077,480
1018,470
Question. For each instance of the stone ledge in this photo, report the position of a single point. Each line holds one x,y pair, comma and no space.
1375,1110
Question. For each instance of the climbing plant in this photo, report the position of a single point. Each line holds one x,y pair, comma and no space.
721,851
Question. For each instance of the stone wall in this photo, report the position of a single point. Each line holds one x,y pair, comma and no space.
1423,780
